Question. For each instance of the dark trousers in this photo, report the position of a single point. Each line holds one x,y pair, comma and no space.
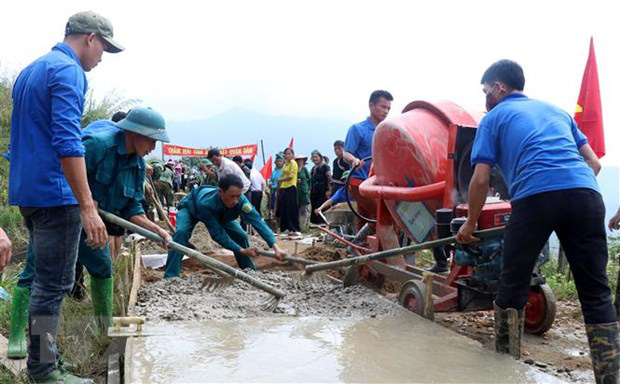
54,237
289,210
256,199
578,218
317,198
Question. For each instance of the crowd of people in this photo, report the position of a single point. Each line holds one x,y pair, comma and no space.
60,175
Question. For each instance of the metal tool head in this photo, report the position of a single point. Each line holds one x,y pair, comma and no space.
270,304
305,280
213,283
351,276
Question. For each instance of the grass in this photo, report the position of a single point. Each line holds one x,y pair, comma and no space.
82,349
563,285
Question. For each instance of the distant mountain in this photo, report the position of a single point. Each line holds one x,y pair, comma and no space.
241,127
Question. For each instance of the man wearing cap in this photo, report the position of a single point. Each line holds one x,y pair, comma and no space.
218,209
48,181
209,171
116,174
164,184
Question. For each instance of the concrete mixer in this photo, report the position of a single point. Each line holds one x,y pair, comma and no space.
420,178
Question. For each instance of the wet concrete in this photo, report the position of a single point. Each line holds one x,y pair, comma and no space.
399,348
183,298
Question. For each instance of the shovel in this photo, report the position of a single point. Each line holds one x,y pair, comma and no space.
227,273
487,233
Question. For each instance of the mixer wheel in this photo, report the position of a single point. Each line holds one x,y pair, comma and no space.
412,296
539,310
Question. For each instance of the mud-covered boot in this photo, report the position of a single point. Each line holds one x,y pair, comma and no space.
18,345
102,294
508,330
605,351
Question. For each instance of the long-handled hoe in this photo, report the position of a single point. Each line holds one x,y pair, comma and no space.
227,273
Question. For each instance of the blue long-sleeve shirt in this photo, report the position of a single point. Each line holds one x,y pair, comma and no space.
48,101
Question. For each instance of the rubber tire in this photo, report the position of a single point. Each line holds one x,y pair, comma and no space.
413,292
545,321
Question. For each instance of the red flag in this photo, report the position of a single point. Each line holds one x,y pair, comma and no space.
589,114
266,169
291,143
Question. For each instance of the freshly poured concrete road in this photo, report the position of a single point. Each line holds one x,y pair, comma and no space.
402,348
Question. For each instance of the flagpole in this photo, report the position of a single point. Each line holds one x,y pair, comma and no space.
263,151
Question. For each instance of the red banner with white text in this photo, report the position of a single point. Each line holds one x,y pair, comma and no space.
178,150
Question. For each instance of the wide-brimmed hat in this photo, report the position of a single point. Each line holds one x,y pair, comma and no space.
145,122
301,157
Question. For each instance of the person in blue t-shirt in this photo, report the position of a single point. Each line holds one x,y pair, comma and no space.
550,171
358,146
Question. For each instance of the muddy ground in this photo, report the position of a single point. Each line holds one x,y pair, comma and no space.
562,351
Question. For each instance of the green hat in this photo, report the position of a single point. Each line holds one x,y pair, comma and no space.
91,22
206,162
345,174
145,122
279,156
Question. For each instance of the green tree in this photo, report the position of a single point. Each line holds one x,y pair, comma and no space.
111,103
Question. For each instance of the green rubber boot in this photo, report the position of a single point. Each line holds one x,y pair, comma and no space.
604,351
57,377
508,330
102,294
18,345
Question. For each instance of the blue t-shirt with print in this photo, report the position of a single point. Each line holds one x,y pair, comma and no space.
536,146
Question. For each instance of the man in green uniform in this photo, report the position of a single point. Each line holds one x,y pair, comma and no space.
210,173
304,184
116,172
165,185
218,209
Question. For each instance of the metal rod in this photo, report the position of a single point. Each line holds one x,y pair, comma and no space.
215,265
343,240
262,149
159,207
292,259
494,232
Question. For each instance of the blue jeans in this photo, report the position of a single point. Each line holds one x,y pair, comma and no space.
54,236
98,262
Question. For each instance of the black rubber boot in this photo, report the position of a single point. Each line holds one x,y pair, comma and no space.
441,261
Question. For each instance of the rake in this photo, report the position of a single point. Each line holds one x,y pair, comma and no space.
311,269
227,273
